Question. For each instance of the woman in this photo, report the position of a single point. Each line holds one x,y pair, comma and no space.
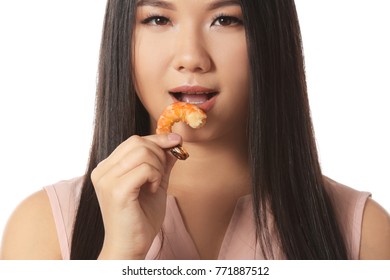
252,187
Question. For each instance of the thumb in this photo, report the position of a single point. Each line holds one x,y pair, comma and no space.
174,153
166,140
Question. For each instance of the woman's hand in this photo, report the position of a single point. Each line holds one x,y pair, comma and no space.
131,187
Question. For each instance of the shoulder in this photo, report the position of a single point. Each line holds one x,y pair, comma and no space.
348,205
364,223
375,240
30,232
343,195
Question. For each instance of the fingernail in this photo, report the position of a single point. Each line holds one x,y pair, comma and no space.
173,137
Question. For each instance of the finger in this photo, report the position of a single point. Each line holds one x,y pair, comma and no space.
155,143
136,157
143,176
127,187
130,144
128,147
165,141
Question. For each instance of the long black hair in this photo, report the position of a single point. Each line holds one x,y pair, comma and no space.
286,174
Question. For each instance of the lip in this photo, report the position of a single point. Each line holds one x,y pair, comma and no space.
206,106
192,89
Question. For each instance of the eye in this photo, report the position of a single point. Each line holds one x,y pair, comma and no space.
156,20
226,21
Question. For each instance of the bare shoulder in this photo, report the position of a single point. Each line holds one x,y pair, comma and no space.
30,232
375,242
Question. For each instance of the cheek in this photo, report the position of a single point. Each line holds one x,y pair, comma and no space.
145,64
150,58
232,58
240,69
150,64
234,75
234,71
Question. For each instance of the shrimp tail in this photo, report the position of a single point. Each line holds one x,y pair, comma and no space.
180,112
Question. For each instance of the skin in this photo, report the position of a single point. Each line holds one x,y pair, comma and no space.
195,48
194,44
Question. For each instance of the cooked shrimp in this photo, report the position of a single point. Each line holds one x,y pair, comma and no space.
176,112
180,111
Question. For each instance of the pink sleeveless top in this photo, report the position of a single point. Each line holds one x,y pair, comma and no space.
239,241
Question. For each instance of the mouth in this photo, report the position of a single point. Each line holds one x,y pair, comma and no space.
202,97
193,98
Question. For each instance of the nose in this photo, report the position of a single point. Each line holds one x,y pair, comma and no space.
191,53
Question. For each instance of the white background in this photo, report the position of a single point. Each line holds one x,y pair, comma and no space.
48,65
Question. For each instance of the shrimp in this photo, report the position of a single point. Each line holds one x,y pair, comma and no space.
176,112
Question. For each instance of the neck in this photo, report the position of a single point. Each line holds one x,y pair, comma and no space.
214,168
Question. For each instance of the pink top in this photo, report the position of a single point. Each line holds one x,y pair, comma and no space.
239,241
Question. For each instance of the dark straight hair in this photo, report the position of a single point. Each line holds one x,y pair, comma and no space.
286,175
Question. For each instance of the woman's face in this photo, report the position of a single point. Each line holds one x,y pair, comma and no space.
193,51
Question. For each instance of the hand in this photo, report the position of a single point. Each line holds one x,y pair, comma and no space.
131,187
